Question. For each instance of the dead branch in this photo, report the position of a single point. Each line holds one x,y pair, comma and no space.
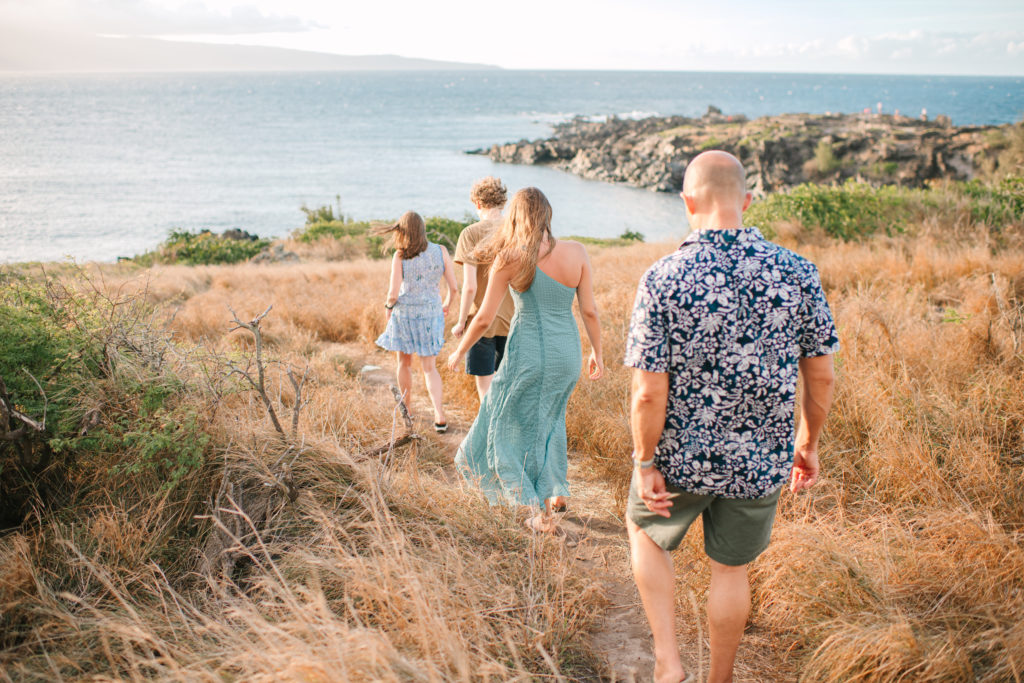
259,384
403,409
299,403
394,442
9,410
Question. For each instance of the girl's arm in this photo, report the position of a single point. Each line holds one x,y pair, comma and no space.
497,285
591,322
395,285
449,278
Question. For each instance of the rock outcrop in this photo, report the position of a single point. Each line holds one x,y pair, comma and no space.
777,151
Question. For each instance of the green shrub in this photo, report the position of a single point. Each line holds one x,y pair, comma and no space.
202,248
997,204
324,214
442,230
848,211
113,405
855,210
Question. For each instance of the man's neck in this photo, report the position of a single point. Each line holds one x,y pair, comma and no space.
490,214
726,220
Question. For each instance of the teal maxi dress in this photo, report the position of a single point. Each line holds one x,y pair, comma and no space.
516,449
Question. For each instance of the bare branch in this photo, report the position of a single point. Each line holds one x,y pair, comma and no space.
259,384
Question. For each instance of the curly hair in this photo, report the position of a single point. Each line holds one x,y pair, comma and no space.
489,192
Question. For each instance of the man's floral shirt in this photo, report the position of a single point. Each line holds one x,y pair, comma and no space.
727,316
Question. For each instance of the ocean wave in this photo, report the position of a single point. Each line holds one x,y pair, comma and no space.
553,118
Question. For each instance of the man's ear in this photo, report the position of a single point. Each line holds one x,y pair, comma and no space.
691,203
746,201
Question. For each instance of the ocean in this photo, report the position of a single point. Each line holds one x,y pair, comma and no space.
94,167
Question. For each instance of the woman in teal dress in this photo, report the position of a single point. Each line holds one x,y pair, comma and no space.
516,449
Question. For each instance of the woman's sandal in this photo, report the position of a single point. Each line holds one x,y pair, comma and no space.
440,427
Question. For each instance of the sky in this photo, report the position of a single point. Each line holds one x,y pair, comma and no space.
983,37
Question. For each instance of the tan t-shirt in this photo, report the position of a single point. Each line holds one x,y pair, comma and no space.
471,236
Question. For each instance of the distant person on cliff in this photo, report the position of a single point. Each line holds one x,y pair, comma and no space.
720,330
484,358
414,310
516,450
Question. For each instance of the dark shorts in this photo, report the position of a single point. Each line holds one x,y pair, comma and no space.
485,356
736,530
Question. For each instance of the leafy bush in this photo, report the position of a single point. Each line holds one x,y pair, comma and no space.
112,404
856,210
442,230
849,211
202,248
997,204
324,214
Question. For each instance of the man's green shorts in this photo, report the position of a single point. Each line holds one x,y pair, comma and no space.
736,530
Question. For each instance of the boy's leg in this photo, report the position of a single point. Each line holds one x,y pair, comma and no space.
655,579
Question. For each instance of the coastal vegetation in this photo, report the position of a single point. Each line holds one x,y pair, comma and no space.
161,524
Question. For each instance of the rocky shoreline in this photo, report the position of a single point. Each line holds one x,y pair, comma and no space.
778,152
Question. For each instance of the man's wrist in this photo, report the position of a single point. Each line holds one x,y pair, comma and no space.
642,463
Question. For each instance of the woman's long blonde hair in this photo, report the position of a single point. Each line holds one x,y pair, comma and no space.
409,234
519,238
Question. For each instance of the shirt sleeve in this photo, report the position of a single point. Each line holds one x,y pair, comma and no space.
818,336
647,346
464,247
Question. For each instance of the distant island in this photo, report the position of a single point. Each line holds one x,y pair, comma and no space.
779,152
65,52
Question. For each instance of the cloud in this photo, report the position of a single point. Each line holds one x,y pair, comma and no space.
146,17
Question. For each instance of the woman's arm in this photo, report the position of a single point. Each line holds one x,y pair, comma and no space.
395,285
468,294
449,278
591,321
497,286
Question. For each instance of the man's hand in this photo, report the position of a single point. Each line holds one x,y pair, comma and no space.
458,330
650,485
805,468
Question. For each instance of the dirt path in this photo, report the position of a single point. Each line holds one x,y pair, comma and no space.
596,528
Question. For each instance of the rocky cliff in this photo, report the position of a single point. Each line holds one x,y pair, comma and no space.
777,151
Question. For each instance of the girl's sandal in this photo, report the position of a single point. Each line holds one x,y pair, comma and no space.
440,427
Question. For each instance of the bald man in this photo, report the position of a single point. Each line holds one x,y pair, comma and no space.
721,329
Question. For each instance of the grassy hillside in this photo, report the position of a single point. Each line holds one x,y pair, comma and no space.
180,536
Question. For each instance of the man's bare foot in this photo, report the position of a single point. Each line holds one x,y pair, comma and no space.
673,675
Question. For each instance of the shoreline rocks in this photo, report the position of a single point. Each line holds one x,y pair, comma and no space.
778,152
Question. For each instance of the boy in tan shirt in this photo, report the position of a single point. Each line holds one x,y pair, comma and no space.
488,196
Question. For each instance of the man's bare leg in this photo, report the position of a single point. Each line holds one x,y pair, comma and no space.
656,580
728,608
483,383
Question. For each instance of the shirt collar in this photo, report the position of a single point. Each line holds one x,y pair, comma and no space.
724,237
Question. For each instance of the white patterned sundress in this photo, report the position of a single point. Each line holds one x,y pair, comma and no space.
417,321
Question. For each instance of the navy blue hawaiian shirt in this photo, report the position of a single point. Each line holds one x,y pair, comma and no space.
727,316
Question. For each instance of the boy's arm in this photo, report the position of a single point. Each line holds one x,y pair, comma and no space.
466,301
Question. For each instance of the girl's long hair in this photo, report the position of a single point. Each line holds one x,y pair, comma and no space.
518,240
409,234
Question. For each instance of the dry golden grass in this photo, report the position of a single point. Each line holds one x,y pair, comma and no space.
905,563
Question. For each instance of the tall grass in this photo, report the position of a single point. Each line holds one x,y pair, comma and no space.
904,563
